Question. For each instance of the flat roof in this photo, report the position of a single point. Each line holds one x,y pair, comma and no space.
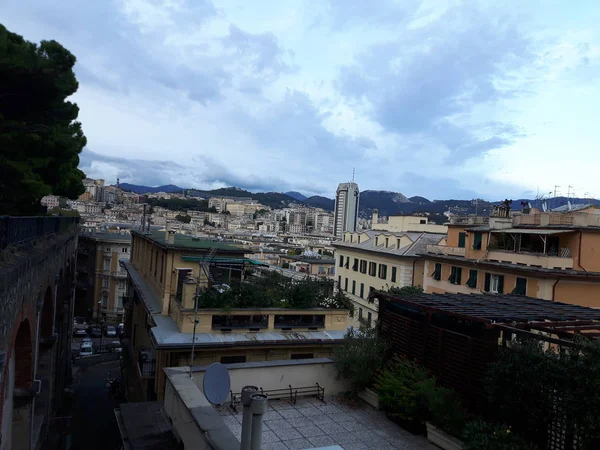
491,308
146,294
107,237
166,334
184,241
310,260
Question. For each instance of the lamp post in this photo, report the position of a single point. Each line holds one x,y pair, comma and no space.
98,311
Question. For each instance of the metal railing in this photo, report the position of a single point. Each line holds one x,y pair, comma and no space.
18,231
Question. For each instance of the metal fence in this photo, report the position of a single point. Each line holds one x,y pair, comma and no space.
18,231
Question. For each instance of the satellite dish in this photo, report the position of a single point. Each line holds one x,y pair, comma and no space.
216,383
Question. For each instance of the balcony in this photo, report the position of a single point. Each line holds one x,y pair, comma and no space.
531,259
445,250
469,220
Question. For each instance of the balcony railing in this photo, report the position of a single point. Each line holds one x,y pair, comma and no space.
22,230
531,259
469,220
445,250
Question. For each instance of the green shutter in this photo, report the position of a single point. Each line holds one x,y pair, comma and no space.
477,241
500,284
458,275
461,239
488,278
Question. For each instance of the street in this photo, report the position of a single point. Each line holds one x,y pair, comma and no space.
94,425
96,341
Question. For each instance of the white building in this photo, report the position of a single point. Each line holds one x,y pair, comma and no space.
346,209
50,201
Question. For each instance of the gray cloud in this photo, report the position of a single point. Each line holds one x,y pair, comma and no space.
416,83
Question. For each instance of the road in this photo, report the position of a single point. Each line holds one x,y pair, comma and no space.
94,426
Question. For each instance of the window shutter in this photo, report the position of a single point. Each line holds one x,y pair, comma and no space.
500,284
461,239
458,275
487,282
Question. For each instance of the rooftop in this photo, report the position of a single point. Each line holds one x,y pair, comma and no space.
310,259
107,237
183,241
418,245
144,426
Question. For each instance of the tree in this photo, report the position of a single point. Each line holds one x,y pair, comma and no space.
40,140
183,218
294,252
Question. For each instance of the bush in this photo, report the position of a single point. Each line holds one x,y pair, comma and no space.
360,356
445,408
481,435
401,391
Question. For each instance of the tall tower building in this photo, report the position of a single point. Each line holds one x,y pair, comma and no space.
346,209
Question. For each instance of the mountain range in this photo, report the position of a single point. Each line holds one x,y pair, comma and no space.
386,202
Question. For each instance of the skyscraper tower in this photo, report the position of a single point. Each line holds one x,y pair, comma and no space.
346,209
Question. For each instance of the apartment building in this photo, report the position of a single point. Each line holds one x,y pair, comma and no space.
165,272
379,260
550,255
347,199
313,265
406,223
102,281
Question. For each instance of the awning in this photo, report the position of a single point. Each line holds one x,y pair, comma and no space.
224,260
530,231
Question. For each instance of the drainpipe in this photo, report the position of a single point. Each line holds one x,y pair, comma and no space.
554,289
56,280
39,305
258,407
413,272
579,255
247,392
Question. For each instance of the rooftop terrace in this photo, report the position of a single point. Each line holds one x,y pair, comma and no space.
183,241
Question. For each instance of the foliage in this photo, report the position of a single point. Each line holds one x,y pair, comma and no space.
481,435
273,290
360,356
40,140
294,252
446,410
183,218
406,290
532,388
400,389
180,204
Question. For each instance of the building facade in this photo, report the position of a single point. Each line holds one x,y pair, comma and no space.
346,209
102,280
379,260
165,273
548,255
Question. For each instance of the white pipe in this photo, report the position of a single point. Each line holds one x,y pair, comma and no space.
247,392
258,408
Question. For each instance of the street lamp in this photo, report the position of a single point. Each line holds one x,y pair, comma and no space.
98,311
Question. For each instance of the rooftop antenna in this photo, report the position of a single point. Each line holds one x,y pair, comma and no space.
353,174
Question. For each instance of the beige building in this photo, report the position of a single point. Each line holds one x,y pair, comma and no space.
402,224
371,260
548,255
102,280
165,272
313,265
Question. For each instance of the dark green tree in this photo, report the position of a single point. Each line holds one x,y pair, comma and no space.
183,218
40,139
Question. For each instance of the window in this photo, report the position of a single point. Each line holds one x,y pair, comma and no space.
362,290
124,250
437,272
347,265
383,271
105,283
477,237
372,269
321,270
371,289
107,264
387,242
355,265
393,274
353,287
455,275
369,317
121,284
422,222
108,249
472,281
359,313
105,300
346,284
339,282
233,359
462,238
302,356
520,286
119,302
363,266
341,260
494,283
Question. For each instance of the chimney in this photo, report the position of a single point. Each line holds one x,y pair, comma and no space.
171,238
375,218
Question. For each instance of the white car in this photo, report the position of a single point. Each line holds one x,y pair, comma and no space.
86,349
110,331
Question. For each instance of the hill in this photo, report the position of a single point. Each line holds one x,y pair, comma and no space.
297,195
140,189
317,201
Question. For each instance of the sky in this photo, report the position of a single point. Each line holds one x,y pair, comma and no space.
438,98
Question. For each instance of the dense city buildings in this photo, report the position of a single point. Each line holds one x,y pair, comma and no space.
346,209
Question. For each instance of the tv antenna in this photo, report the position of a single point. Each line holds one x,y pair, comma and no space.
216,383
353,174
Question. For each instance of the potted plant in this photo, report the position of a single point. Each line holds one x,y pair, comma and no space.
447,417
482,435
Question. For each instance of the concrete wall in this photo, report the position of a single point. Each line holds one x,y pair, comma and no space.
281,374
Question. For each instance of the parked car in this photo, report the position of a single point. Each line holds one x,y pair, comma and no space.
78,332
86,349
96,332
121,329
110,331
86,339
116,346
